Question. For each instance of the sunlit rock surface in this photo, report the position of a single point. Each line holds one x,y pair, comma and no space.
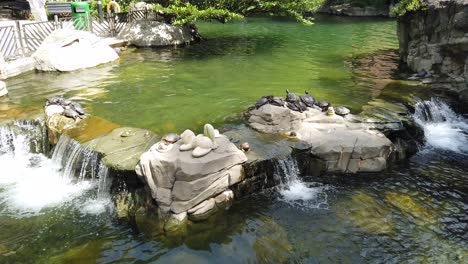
180,182
70,50
3,89
147,33
121,148
341,144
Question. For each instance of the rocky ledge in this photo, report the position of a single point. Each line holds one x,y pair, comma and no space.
434,43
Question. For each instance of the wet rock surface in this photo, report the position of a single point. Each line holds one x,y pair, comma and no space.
433,43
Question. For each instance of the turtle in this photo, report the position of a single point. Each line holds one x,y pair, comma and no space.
308,99
245,146
301,106
323,105
53,101
171,138
71,113
263,101
342,111
291,97
293,106
277,100
65,102
77,107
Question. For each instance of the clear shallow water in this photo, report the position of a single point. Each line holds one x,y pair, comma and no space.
214,81
416,212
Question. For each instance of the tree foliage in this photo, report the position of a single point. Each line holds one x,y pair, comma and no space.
183,12
405,6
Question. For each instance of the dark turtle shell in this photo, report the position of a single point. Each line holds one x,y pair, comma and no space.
171,138
341,110
65,102
293,106
278,101
308,99
263,101
322,104
71,113
291,97
53,101
77,107
301,106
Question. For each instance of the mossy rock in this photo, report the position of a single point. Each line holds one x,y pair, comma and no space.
122,147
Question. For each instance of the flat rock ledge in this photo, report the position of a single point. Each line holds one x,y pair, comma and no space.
343,144
184,186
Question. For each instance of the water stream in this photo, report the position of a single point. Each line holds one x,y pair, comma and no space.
32,182
443,128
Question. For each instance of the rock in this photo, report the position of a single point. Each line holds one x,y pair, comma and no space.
463,98
176,222
57,124
357,11
122,147
69,50
181,181
146,33
274,119
53,109
225,198
203,211
434,40
138,6
3,89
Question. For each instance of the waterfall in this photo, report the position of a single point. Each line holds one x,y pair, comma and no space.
30,182
296,192
443,128
74,159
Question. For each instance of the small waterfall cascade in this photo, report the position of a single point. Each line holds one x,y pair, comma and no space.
296,192
443,128
31,182
23,135
75,160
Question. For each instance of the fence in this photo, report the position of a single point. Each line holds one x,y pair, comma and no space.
23,39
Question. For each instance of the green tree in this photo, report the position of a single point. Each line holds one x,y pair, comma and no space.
183,12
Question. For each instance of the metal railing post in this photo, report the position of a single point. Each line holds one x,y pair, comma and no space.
19,38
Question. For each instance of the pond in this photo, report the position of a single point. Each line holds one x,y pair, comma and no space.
414,212
172,89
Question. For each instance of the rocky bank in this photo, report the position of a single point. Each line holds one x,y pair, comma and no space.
434,43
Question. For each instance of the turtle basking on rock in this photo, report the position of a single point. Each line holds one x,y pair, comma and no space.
291,97
171,138
77,107
263,101
308,99
323,105
70,113
342,111
277,100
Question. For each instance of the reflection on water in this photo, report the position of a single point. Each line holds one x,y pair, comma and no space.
214,81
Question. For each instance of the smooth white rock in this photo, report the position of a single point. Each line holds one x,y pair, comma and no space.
53,109
3,89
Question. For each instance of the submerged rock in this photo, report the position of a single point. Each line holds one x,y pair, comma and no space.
70,50
147,33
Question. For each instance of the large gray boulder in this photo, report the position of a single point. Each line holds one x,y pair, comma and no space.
179,181
147,33
69,50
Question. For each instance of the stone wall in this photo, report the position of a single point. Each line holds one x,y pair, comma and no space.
434,42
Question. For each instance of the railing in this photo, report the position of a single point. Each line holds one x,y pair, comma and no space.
22,40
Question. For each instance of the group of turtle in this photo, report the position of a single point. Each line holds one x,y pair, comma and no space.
70,109
300,103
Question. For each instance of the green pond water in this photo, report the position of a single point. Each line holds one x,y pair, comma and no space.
413,213
172,89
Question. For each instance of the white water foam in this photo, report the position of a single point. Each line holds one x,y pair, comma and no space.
30,183
443,128
298,193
